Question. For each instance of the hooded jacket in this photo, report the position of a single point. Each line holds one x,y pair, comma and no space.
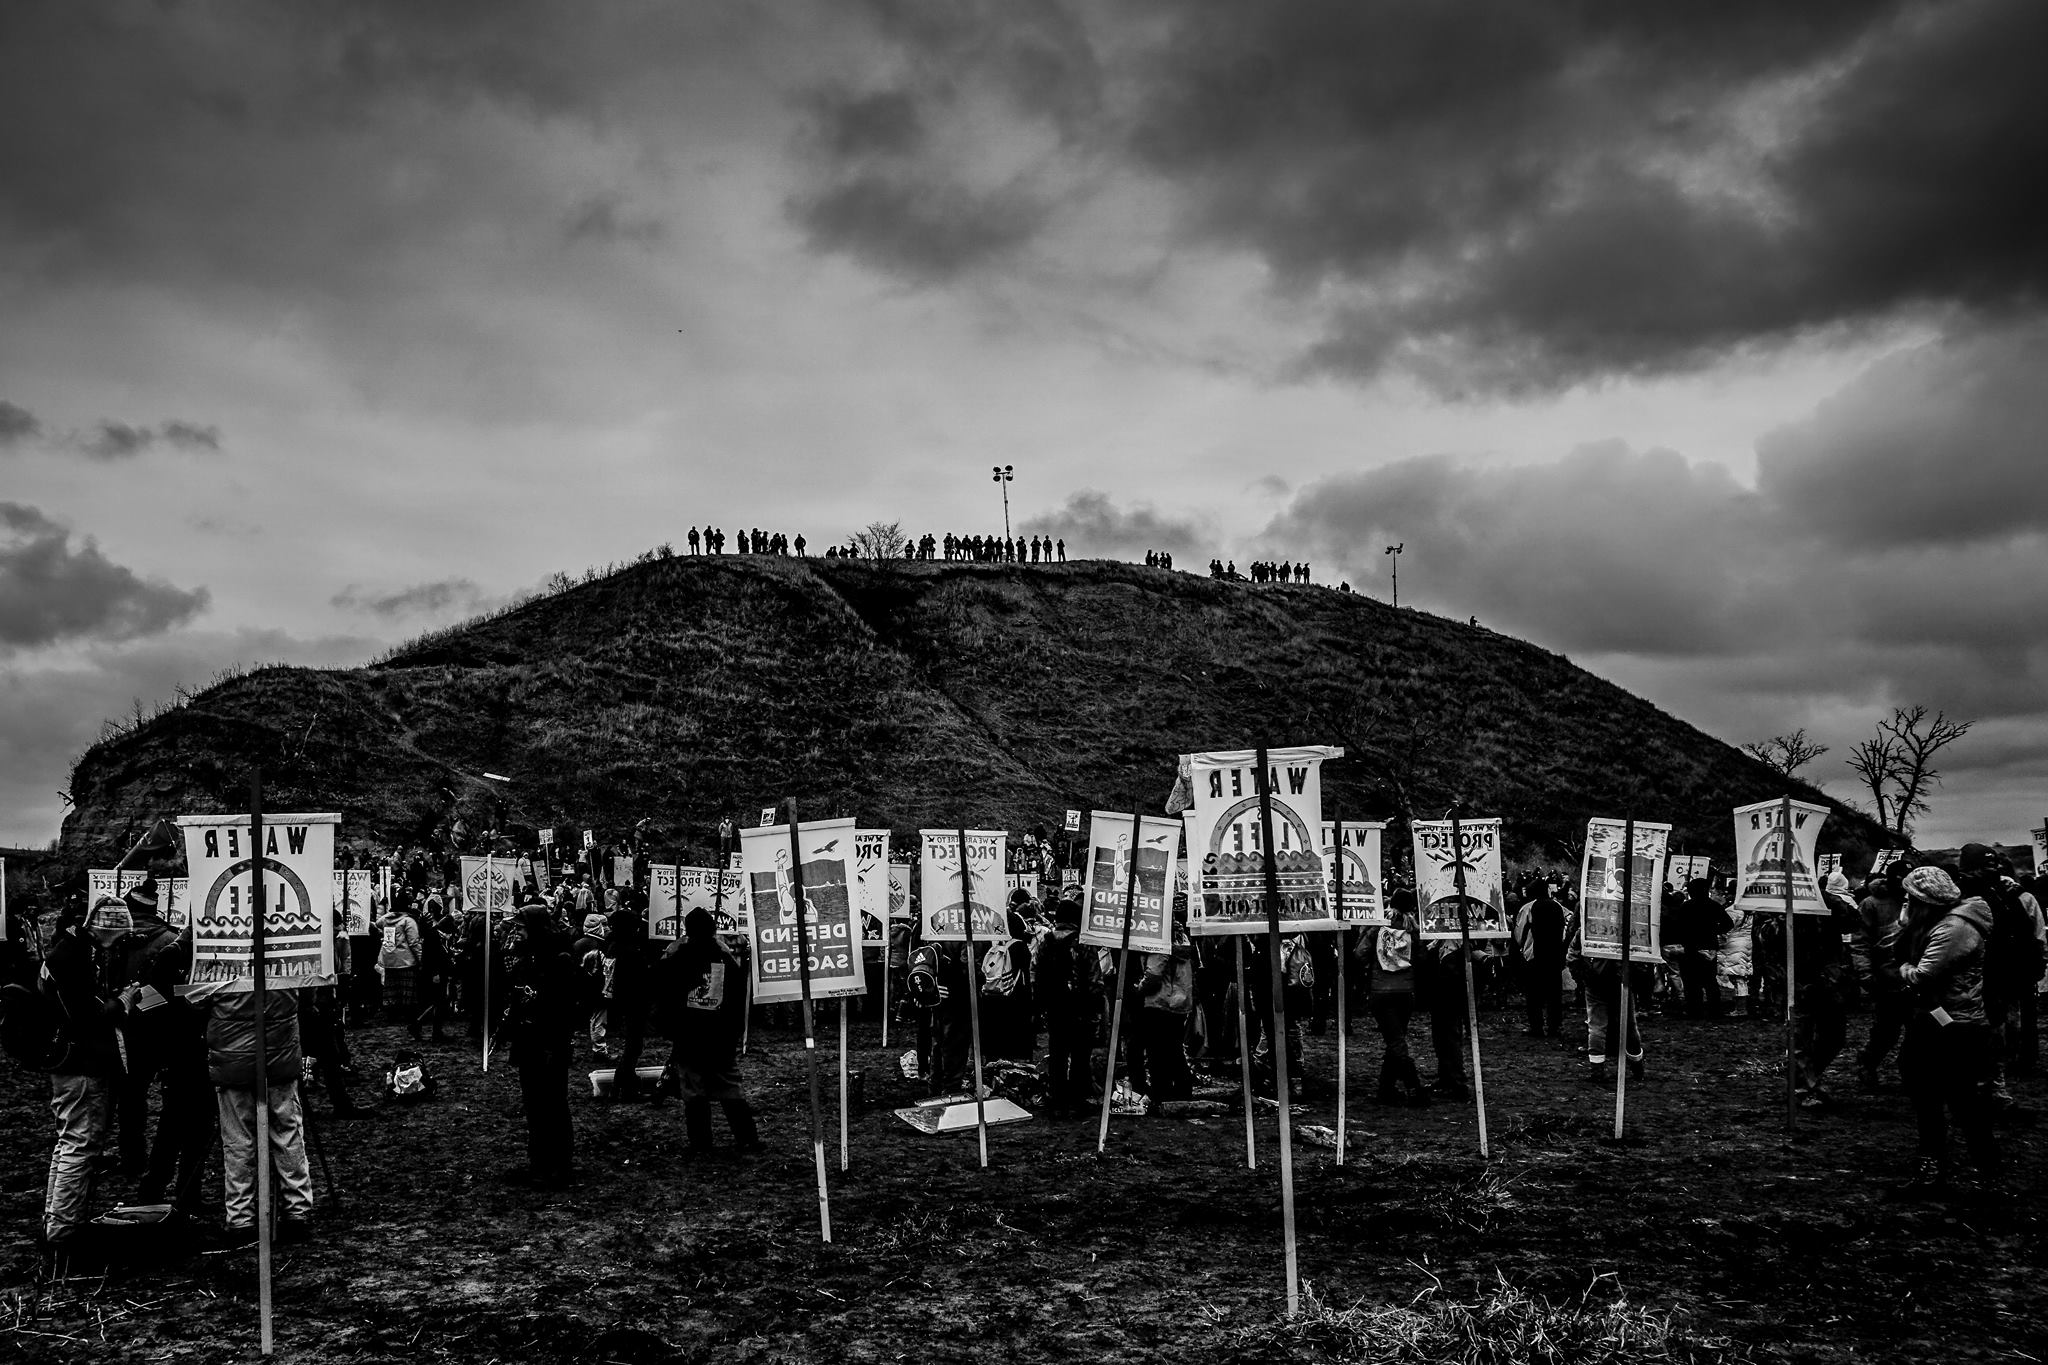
1941,957
231,1038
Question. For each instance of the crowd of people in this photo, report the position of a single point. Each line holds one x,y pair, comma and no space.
1263,571
1947,962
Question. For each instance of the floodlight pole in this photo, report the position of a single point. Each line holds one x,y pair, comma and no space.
1003,474
1395,551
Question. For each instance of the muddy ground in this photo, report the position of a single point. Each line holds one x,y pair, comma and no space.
1166,1248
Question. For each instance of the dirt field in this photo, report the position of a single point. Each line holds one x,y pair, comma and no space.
1167,1248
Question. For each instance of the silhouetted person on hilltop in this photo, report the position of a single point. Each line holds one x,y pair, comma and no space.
1063,550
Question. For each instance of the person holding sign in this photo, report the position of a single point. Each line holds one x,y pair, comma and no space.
231,1062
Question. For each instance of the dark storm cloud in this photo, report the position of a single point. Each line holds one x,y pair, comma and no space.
1502,197
18,425
1095,527
120,441
1940,445
448,594
921,229
605,218
50,591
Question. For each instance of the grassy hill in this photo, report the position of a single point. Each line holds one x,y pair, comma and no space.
683,689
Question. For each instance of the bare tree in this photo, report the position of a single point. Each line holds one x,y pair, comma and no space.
1785,754
1876,762
1919,739
880,540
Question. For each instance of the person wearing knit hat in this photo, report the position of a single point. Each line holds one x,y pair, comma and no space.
1873,952
1947,1054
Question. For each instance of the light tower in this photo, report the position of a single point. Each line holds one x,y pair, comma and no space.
1395,551
1003,474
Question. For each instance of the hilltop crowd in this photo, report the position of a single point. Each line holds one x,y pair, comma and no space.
1947,962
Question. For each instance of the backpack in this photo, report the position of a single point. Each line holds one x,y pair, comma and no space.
1000,974
2012,955
31,1027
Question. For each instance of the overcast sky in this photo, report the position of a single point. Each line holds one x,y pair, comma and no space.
1704,343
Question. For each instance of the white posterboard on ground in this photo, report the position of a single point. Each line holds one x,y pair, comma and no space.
1437,865
1364,900
1768,857
1109,868
942,911
298,919
871,875
352,892
1225,852
489,879
1600,891
831,919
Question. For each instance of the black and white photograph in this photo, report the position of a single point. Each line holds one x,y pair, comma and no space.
570,572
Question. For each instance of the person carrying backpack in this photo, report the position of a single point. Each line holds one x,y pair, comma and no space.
84,1072
2012,960
1060,969
148,1036
1946,1058
712,984
398,962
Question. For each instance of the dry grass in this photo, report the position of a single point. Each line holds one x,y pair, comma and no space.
1505,1325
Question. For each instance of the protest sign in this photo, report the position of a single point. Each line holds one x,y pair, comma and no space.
871,873
1600,891
100,883
1681,868
1073,822
547,837
1224,845
944,916
899,891
1769,857
1830,863
1364,902
1437,866
589,839
3,900
298,885
489,880
1109,869
176,901
622,871
352,891
673,892
1027,882
2040,838
831,918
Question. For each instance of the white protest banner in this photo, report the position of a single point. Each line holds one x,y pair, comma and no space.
500,876
673,892
944,916
622,871
537,870
1224,841
298,886
831,919
1436,870
871,873
899,890
100,883
352,891
1073,822
1600,891
1681,868
1109,870
2040,838
767,816
547,837
1884,858
175,901
1768,857
1027,882
1830,863
589,839
1364,902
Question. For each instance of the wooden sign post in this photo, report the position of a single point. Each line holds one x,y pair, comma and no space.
1788,846
1244,1060
1281,1087
973,998
1343,935
259,997
1471,998
1123,954
803,976
1628,867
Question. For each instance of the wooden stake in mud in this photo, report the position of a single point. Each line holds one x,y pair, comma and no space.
1281,1088
1244,1060
1628,867
1123,955
718,915
973,998
1787,850
1471,998
490,876
888,943
1343,934
803,976
257,989
843,1003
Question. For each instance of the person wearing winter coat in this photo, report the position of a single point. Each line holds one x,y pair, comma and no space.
1696,925
398,962
626,945
231,1065
1609,1036
1541,928
545,994
1946,1058
711,984
88,1069
1166,996
1387,953
1873,953
1062,969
